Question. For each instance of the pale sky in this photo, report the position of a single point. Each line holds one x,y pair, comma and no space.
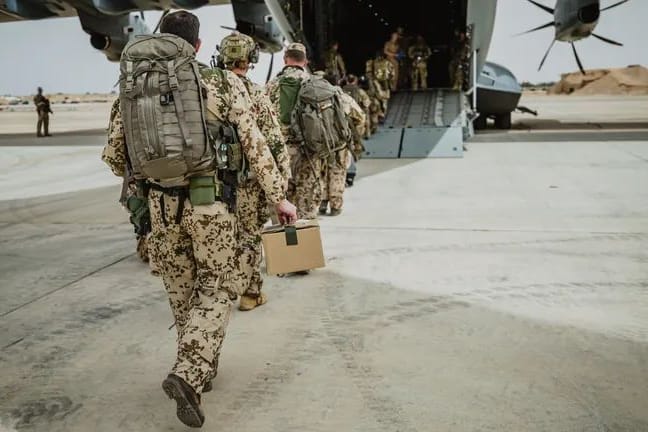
56,53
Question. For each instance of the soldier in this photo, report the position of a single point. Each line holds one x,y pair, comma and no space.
460,60
383,74
237,53
334,172
335,63
43,110
304,188
392,51
405,70
358,94
419,53
193,231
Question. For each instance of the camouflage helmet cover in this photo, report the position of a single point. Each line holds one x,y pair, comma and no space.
237,47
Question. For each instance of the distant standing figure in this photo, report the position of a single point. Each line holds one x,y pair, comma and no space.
391,51
419,54
335,63
43,110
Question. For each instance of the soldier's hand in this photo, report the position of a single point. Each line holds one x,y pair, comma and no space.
286,212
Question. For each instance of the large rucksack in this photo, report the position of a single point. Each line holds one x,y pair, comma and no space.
318,118
162,106
381,70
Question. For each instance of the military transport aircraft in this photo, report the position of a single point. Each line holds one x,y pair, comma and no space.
360,27
574,20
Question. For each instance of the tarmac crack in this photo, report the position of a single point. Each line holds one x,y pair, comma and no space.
66,285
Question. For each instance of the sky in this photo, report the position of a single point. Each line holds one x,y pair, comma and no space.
56,55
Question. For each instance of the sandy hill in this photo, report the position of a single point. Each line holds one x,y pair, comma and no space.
631,80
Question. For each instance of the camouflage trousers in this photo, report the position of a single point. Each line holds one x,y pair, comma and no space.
42,125
142,248
334,179
419,75
393,84
251,214
305,189
194,253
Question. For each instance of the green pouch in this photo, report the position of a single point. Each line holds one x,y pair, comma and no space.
202,190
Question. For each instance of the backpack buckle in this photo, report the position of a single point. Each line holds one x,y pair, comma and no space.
166,99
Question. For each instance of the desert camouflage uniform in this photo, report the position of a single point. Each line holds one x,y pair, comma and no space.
252,207
391,52
419,55
304,189
335,66
362,98
335,170
197,254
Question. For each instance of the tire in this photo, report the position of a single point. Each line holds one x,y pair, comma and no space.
503,121
480,122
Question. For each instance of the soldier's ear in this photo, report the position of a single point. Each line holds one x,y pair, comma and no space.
198,45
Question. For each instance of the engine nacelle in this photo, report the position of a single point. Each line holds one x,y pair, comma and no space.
110,34
254,19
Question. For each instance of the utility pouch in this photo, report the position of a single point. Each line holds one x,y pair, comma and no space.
140,217
202,190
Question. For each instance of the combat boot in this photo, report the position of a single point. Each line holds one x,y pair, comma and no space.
248,303
188,408
335,212
323,207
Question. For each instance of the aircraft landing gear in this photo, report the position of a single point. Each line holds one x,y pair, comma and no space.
503,121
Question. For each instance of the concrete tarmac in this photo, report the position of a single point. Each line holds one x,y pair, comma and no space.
505,291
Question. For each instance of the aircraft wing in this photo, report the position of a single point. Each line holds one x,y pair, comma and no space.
112,23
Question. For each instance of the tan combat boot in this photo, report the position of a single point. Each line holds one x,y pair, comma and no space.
248,303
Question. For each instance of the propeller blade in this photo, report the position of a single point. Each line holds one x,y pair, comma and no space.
270,68
580,65
553,41
606,40
229,28
543,26
159,23
614,5
541,6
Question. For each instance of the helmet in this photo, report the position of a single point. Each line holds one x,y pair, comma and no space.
236,47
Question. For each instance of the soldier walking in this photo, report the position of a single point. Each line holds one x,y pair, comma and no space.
238,52
189,193
304,188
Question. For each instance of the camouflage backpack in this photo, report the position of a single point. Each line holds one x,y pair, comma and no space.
161,101
381,70
318,118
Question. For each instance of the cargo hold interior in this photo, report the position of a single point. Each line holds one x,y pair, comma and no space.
363,26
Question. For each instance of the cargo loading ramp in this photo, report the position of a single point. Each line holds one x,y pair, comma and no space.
420,124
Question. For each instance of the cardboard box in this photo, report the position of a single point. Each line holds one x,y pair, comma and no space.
289,249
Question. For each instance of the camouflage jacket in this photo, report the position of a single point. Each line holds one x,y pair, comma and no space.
42,103
359,95
227,101
355,113
268,123
334,63
419,52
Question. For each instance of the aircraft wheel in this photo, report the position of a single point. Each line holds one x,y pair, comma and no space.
503,121
480,122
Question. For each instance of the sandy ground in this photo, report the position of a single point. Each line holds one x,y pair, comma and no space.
505,291
84,116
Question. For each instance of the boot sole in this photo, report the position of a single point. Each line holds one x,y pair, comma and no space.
185,411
